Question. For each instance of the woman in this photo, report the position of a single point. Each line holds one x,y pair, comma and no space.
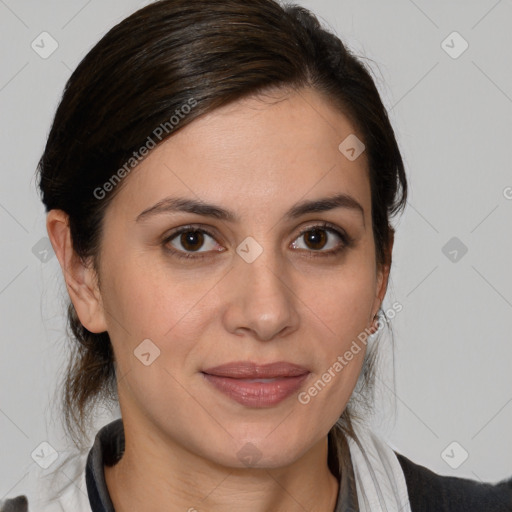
219,180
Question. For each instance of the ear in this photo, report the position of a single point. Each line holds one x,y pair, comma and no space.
81,280
383,278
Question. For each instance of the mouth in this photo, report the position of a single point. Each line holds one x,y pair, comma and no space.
255,385
251,370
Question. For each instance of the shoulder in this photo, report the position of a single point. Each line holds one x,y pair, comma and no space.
430,491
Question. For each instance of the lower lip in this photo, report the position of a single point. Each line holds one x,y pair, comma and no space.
257,394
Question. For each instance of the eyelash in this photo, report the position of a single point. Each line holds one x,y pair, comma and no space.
346,241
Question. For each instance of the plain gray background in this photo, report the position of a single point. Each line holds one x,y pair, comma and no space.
452,113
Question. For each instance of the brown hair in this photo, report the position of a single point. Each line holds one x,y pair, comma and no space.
140,74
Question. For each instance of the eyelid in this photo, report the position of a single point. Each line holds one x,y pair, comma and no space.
189,227
328,226
346,239
184,229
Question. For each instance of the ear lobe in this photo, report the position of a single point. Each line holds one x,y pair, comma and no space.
81,280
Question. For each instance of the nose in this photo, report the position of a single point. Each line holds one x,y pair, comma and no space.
260,299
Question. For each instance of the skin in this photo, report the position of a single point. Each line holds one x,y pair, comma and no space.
256,157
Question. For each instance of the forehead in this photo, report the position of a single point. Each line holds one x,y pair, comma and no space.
253,154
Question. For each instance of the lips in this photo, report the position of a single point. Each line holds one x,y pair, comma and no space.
251,370
255,385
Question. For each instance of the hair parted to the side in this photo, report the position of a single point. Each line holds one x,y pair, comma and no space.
140,74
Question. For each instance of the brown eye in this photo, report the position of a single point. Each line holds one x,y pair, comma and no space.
315,238
322,239
192,240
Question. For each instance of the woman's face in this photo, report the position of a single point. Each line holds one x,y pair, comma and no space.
250,288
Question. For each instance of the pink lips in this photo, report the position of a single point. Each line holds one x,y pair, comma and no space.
240,380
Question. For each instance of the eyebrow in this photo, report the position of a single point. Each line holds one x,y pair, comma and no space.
182,204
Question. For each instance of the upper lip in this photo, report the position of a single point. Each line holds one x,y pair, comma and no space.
251,370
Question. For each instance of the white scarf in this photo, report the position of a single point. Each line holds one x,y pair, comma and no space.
380,480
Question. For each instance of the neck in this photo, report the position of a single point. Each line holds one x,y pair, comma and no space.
151,478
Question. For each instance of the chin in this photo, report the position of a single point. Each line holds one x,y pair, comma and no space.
260,450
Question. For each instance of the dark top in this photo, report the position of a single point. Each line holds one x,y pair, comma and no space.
428,491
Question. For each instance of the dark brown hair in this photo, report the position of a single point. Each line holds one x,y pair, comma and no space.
139,75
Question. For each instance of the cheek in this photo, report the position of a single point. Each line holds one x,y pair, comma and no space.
143,303
166,310
344,302
343,314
